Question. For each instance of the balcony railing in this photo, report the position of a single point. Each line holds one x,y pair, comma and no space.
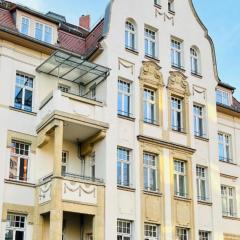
82,177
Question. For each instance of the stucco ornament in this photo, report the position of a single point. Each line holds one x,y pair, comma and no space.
177,82
150,72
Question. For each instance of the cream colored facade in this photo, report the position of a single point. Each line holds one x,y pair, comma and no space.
80,206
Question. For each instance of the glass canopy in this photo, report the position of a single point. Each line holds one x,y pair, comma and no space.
72,68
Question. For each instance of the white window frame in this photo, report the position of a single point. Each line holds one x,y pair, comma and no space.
175,110
150,42
20,156
227,144
149,96
28,25
125,89
199,117
150,230
176,49
130,35
202,179
195,61
180,171
150,168
125,231
12,226
228,194
182,233
65,161
122,163
44,26
204,235
223,97
171,6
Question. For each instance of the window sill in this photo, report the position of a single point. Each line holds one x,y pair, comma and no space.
134,51
152,58
152,193
153,124
179,68
185,199
126,117
231,163
126,188
196,75
206,203
157,6
22,111
201,138
181,132
171,12
231,218
20,183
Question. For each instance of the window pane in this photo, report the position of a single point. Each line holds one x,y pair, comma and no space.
48,34
39,31
9,235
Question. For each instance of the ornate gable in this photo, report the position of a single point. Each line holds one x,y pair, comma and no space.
177,82
150,73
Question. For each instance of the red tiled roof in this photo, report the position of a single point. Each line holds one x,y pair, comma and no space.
6,19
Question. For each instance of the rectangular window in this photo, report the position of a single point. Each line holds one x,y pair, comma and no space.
223,97
16,227
150,172
48,34
23,92
201,173
93,165
19,161
151,232
123,166
176,53
130,35
39,31
183,234
149,106
204,235
124,98
176,112
25,26
65,159
224,146
124,230
43,32
228,201
150,43
198,121
180,178
171,6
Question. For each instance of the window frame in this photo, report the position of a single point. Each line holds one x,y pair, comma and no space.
175,51
225,144
157,231
195,61
149,103
43,32
225,195
174,114
199,116
177,175
171,7
220,93
182,232
125,234
202,178
150,42
28,27
65,155
130,34
206,235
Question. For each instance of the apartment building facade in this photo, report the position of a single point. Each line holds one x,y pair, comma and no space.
114,132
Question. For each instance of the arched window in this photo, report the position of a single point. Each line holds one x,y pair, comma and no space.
195,61
130,35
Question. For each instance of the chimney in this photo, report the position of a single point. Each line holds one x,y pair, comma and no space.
85,21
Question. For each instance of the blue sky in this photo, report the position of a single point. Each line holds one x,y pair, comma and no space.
222,18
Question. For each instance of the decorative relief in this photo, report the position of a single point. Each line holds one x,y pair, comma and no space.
165,16
150,73
79,192
152,209
183,213
126,65
177,83
45,193
199,91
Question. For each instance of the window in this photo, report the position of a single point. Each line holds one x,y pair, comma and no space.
201,173
124,230
89,236
171,5
16,227
224,146
65,157
150,43
64,88
151,232
176,112
123,166
198,121
19,161
23,92
223,97
157,2
180,178
176,53
228,201
182,234
25,26
93,165
204,235
195,62
124,98
43,32
130,36
150,172
149,106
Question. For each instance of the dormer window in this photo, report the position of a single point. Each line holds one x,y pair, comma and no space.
43,32
171,6
223,97
25,26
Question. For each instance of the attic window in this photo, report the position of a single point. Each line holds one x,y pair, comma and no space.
223,97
